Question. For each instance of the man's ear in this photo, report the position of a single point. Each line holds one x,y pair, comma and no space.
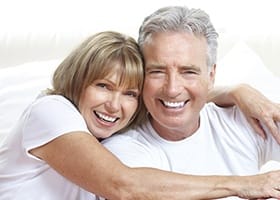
212,75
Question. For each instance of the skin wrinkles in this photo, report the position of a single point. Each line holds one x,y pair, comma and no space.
108,106
176,72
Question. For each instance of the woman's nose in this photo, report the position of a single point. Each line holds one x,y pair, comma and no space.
113,104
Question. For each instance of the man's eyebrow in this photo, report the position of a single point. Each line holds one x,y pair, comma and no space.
189,66
192,67
182,67
155,66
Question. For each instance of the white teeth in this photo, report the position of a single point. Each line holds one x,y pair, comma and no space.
105,117
173,104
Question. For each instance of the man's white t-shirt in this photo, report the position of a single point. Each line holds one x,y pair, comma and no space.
24,176
224,144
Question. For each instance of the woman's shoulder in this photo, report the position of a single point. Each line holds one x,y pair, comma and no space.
48,106
51,102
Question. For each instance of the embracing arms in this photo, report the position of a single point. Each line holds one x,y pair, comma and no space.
256,107
82,159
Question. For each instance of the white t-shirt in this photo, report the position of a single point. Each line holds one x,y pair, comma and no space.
24,176
224,144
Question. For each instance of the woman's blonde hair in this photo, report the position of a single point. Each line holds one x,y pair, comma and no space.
94,59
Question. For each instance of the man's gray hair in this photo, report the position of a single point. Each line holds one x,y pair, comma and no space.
181,19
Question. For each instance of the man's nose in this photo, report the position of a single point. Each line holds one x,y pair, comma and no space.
173,85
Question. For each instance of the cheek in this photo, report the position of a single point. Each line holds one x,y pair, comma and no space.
197,87
203,81
130,108
151,85
202,89
82,104
94,96
147,93
89,99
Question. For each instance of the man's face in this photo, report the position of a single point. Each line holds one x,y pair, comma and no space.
176,83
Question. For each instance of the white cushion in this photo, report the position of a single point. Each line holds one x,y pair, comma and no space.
19,86
243,65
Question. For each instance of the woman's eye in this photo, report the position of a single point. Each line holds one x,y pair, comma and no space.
102,85
132,94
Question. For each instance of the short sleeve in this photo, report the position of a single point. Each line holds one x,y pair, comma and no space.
135,153
49,117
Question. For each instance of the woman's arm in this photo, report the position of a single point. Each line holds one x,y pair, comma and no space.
256,107
83,160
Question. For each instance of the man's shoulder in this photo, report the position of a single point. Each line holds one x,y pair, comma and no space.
140,138
131,134
211,109
226,117
137,147
214,107
134,135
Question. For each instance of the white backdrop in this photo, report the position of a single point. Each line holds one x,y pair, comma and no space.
244,16
20,20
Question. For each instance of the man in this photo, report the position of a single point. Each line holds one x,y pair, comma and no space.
182,133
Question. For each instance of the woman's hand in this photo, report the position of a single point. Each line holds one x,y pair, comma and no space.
257,108
261,186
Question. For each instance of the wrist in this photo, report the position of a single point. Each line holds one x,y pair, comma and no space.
236,92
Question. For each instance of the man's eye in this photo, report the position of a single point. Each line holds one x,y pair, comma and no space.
155,71
189,72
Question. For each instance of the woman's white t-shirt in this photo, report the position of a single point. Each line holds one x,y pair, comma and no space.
24,176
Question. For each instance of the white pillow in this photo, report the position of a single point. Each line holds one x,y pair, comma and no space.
19,86
243,65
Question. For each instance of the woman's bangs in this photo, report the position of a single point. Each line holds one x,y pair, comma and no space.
131,76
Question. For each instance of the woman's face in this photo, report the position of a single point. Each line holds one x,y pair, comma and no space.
106,106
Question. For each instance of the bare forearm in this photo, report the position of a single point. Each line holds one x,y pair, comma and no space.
221,96
256,107
83,160
156,184
94,168
234,95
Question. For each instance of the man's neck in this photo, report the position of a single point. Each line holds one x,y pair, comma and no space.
174,133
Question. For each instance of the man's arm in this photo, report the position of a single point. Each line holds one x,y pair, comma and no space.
256,107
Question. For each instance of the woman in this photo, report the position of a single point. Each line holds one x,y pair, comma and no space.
54,153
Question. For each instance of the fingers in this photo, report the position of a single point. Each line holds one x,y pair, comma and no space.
269,116
262,186
275,131
270,121
274,182
276,194
257,127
